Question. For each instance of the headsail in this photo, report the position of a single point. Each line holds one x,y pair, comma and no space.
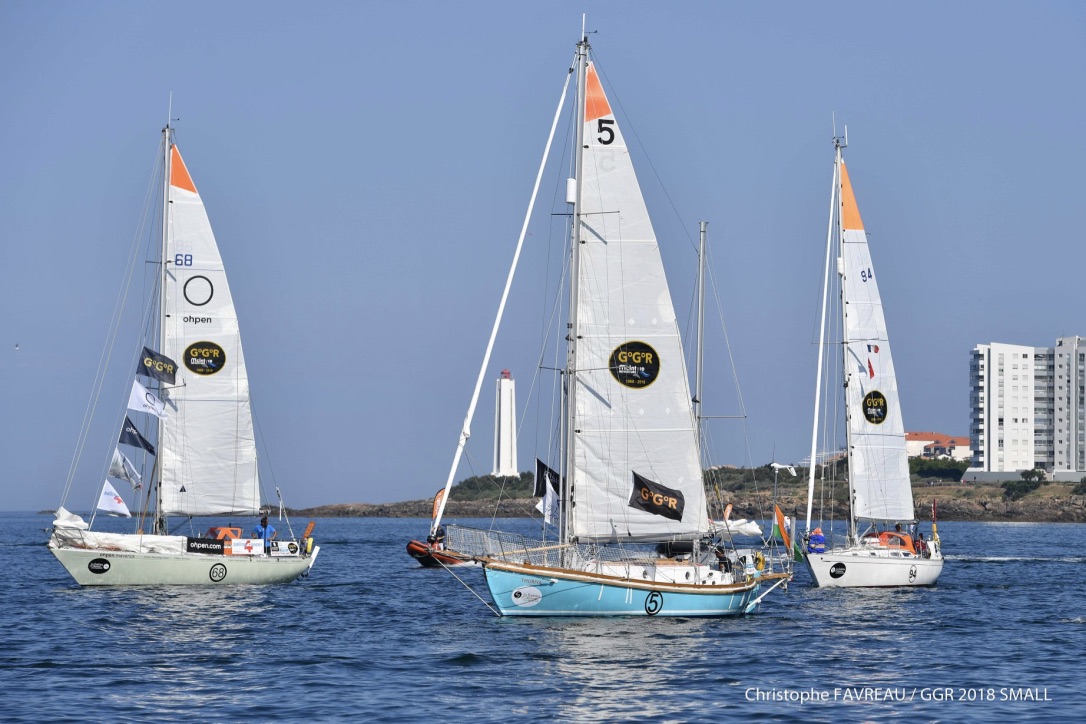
207,447
878,463
632,402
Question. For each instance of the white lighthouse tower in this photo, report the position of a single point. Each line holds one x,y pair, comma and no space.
505,426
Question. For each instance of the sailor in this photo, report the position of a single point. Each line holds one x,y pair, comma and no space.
816,543
437,539
722,562
264,532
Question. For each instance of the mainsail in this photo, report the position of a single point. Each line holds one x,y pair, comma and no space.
633,412
207,450
878,463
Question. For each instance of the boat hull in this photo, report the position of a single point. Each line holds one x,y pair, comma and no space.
430,558
520,590
863,568
91,567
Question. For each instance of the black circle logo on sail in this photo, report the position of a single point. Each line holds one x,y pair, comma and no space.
837,570
205,358
653,603
198,290
634,364
98,565
217,572
874,405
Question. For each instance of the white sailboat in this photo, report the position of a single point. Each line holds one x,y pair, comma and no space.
882,545
205,463
635,537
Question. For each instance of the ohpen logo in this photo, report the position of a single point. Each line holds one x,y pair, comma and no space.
634,364
205,358
98,565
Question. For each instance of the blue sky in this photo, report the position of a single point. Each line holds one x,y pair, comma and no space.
366,167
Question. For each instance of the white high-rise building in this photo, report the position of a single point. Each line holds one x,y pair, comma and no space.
1028,407
505,426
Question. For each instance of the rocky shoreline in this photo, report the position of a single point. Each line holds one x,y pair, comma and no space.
979,506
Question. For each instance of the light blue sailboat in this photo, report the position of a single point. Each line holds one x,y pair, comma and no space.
635,537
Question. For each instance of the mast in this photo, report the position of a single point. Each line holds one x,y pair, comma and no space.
574,273
845,373
167,165
700,354
822,331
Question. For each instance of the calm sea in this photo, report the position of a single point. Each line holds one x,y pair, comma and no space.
371,636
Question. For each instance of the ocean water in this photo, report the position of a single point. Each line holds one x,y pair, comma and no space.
371,636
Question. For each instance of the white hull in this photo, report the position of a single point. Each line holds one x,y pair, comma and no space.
862,567
117,568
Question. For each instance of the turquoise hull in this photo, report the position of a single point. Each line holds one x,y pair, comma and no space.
533,591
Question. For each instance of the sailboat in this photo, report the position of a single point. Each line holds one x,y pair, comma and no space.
205,462
634,533
882,545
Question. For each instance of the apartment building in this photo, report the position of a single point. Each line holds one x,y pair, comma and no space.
1028,407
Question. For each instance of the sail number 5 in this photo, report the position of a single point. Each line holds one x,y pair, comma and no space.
603,127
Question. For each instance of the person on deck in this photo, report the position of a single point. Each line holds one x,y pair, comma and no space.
264,532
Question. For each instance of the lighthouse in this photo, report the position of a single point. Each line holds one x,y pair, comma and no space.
505,426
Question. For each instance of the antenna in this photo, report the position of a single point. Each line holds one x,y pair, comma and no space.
839,141
584,22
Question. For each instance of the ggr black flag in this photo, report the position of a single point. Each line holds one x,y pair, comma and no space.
156,366
657,499
131,436
547,486
544,478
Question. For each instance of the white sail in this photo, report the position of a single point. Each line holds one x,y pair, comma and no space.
207,450
878,462
633,412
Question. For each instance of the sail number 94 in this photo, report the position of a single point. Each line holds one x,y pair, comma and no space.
867,274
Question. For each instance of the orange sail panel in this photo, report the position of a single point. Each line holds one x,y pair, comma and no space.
437,502
595,101
179,175
850,212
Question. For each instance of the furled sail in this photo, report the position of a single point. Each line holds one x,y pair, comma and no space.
878,463
207,450
633,414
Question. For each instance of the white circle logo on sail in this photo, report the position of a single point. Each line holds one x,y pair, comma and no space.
198,290
205,358
874,407
634,364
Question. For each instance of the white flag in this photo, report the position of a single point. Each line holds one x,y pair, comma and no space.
123,469
142,400
112,503
548,506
